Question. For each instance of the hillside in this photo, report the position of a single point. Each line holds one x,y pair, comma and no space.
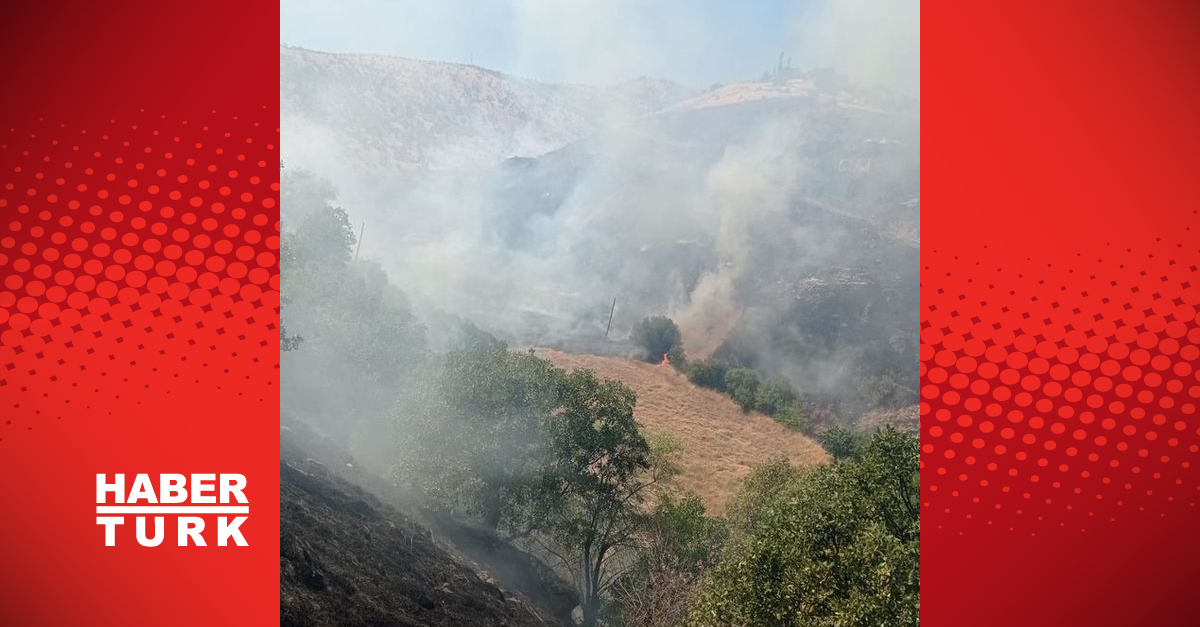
771,221
775,220
721,444
345,558
381,115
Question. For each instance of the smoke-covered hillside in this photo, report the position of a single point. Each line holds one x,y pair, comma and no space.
380,116
777,220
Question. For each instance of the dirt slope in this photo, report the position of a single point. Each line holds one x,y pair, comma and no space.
721,443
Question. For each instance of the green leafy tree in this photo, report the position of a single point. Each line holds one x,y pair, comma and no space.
836,546
315,250
325,238
775,395
707,374
374,326
742,384
360,338
889,461
658,335
314,254
677,358
680,527
763,485
840,443
482,439
794,417
603,470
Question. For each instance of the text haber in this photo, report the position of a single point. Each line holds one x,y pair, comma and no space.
186,498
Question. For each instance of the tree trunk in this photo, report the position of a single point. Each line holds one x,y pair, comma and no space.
492,505
591,611
589,599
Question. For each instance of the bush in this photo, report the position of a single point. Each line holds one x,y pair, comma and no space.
839,544
775,395
678,544
762,486
678,358
658,335
742,385
840,443
793,417
708,374
680,526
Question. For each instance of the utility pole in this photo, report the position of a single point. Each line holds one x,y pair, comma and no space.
360,236
610,317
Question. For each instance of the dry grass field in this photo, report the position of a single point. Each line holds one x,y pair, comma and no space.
720,442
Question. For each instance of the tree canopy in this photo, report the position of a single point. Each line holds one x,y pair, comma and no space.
742,384
349,335
659,336
834,546
552,457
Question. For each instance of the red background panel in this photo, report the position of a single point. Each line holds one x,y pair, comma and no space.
138,301
1059,321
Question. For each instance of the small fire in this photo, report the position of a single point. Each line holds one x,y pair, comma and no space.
666,360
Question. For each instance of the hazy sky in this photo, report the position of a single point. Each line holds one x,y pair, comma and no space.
697,42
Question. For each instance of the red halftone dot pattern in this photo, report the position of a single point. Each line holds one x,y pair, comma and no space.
1061,397
118,260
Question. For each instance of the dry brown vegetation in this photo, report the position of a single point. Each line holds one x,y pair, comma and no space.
721,444
905,419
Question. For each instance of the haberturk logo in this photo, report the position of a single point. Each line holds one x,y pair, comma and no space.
190,501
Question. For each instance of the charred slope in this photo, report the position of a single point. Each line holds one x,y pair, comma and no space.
347,559
823,264
838,322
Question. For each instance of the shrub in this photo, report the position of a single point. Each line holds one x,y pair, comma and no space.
708,374
742,385
658,335
680,526
678,358
840,443
775,395
844,540
678,544
793,417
